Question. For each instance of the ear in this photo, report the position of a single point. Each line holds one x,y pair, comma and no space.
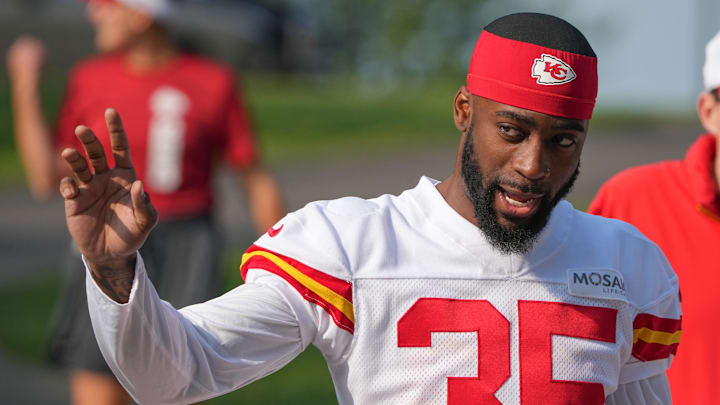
708,112
462,109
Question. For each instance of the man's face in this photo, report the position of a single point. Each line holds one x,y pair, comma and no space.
116,26
517,165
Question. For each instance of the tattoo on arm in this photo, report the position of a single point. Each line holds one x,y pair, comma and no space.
115,282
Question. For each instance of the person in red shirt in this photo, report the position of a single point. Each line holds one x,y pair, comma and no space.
677,205
183,113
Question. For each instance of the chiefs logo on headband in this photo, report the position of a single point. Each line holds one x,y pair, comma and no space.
550,71
533,77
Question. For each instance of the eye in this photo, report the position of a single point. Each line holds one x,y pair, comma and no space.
565,141
510,132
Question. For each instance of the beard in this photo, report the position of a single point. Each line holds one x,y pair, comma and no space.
481,192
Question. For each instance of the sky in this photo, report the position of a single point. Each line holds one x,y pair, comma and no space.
650,53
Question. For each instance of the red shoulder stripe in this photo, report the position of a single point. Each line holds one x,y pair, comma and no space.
656,323
653,351
332,294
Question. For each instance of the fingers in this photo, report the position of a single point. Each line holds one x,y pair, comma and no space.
68,188
145,214
78,164
118,139
93,148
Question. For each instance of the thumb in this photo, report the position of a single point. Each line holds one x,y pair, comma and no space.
145,214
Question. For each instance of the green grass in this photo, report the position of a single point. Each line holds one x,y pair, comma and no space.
11,172
308,119
25,312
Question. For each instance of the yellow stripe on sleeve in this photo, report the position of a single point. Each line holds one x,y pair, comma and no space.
656,336
333,298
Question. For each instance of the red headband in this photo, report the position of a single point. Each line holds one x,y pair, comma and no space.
533,77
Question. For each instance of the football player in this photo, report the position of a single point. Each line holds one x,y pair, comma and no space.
484,288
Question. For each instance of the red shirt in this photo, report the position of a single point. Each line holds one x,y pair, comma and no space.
178,120
676,204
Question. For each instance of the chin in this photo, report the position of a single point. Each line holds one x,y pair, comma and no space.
510,223
106,44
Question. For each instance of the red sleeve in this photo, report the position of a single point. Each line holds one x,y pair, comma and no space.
239,142
69,115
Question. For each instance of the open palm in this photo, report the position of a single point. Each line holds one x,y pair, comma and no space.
108,214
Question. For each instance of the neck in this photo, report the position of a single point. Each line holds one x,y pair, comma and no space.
150,52
453,191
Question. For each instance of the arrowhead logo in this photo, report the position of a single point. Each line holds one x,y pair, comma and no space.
550,71
272,231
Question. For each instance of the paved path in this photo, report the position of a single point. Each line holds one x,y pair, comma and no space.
33,236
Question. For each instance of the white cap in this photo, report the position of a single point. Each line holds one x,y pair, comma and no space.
711,69
157,9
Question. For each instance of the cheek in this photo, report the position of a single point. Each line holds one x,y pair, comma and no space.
563,172
563,165
715,119
491,152
111,37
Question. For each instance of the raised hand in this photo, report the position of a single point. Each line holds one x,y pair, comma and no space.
108,214
25,59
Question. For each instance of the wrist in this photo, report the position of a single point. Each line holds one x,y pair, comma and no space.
25,85
114,276
23,74
113,263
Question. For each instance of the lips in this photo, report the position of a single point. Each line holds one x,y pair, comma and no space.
514,203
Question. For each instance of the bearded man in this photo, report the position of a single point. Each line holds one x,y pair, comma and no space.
484,288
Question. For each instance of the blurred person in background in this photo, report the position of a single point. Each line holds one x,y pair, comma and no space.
677,205
538,302
185,114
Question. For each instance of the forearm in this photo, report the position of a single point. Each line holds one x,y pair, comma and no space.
33,138
265,199
162,355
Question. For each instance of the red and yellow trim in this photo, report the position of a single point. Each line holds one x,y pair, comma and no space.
655,338
334,295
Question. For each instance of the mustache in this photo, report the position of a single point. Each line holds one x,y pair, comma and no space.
522,186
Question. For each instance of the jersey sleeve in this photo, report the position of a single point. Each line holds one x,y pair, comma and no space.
165,356
657,325
650,391
238,142
303,250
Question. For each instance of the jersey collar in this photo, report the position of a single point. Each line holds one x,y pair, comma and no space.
436,210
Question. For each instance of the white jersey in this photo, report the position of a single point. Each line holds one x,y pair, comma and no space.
409,304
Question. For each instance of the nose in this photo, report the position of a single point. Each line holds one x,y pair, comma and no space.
530,160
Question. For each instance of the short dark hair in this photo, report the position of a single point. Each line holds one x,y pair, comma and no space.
715,94
543,30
